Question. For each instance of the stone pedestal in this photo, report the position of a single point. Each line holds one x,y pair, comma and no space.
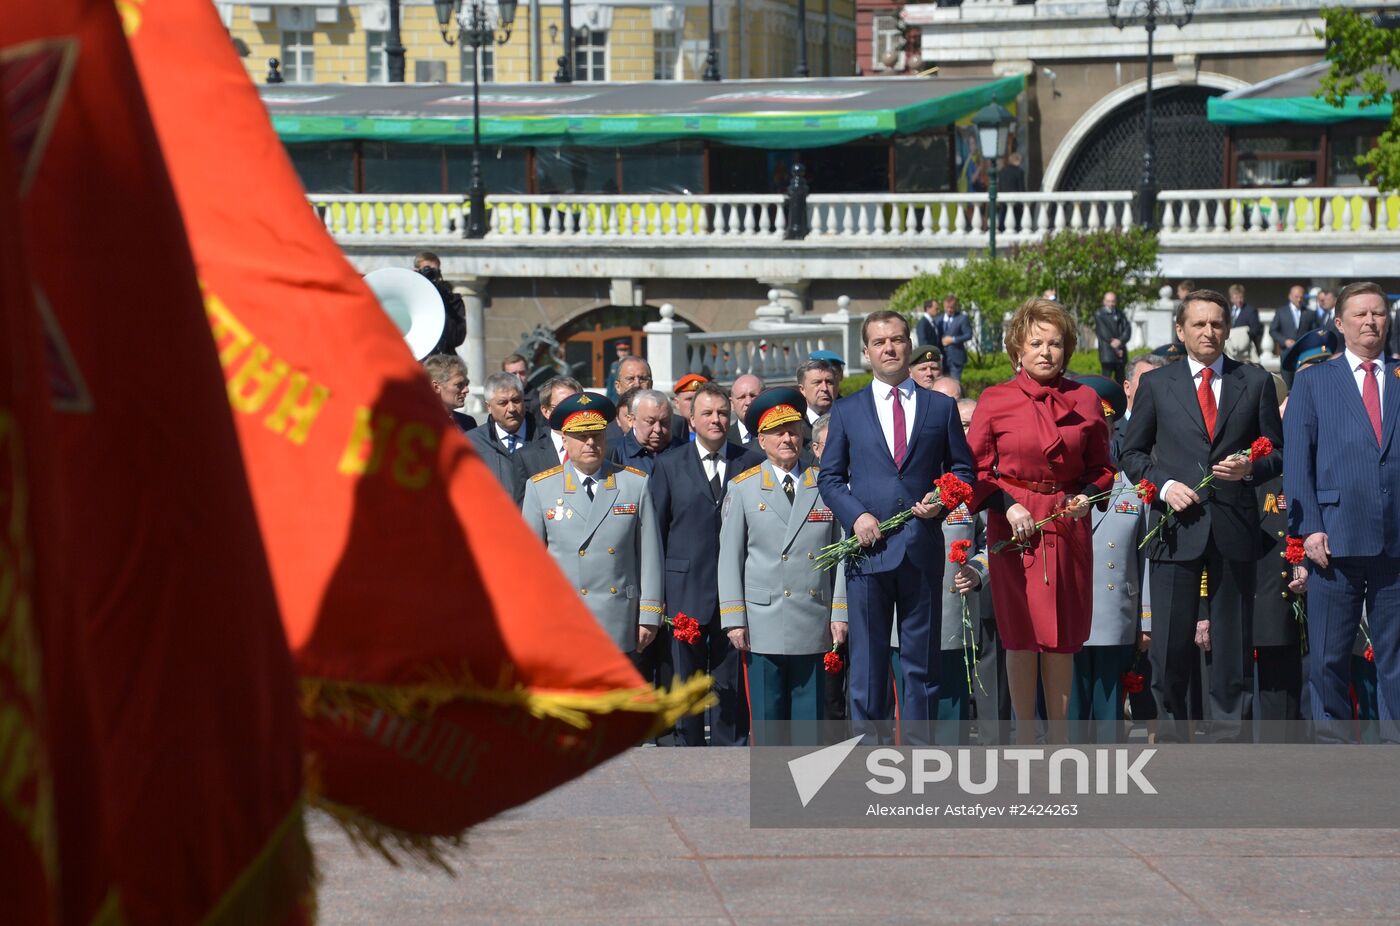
666,347
473,349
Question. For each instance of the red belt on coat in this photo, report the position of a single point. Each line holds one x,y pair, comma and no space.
1042,488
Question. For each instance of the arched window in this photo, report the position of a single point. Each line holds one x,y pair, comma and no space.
1189,152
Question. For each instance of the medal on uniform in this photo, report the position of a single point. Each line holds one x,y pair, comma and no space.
569,513
558,509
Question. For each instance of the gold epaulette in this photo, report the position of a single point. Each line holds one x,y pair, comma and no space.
747,473
636,472
549,472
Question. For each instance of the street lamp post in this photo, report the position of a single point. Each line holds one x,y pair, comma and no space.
711,57
1148,12
993,123
565,74
393,45
801,70
474,30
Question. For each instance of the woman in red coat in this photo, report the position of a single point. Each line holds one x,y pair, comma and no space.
1040,445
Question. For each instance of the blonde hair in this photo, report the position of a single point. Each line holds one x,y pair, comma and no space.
1033,312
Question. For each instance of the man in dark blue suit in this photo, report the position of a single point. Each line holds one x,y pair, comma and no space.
1292,320
1342,478
885,446
687,486
954,331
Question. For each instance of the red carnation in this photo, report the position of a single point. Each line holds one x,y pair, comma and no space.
1370,654
959,552
952,491
1294,552
685,628
1146,491
1261,448
833,663
1132,682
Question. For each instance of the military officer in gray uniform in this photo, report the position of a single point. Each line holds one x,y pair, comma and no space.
1120,599
596,519
779,609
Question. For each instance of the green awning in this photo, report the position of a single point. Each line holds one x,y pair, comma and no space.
1291,98
759,114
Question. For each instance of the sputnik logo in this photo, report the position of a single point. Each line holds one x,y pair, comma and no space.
811,772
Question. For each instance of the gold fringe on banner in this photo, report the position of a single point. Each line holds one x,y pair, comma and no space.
577,709
389,843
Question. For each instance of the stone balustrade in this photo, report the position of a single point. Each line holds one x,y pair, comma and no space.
1298,212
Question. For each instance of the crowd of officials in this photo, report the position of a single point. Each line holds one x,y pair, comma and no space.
692,523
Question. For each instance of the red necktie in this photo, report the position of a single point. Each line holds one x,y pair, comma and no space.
901,446
1371,396
1207,400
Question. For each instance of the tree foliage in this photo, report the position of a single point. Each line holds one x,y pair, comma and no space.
1365,59
1079,266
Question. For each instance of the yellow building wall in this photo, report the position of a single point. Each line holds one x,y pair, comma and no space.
342,54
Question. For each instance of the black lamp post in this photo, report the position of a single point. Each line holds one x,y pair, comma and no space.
1148,12
801,69
565,74
474,30
993,124
393,45
711,57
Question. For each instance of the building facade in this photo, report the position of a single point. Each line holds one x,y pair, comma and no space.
343,41
1086,80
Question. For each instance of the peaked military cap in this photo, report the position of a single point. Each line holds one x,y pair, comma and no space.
774,407
582,413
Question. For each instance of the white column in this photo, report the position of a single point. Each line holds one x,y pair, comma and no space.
667,347
848,334
472,350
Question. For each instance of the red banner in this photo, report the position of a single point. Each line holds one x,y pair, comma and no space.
163,688
448,670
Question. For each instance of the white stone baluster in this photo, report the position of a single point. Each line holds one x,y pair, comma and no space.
897,220
974,225
1383,212
1260,225
943,211
1060,217
1220,216
1290,218
1327,216
780,222
1346,214
848,221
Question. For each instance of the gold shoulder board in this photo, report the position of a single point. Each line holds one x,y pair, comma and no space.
547,473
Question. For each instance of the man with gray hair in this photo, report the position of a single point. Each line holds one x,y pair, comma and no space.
635,373
1142,364
650,433
501,439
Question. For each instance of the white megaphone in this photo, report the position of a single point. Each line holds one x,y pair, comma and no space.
412,304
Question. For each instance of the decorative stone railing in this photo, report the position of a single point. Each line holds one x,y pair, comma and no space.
1290,212
954,220
773,347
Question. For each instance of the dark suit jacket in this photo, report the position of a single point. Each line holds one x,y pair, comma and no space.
1166,439
465,422
928,333
1337,479
858,474
959,328
680,432
733,437
1110,324
689,516
1282,327
629,452
538,456
509,469
1248,317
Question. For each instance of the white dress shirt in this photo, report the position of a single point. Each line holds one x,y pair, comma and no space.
779,473
712,468
1196,367
1354,364
558,440
884,410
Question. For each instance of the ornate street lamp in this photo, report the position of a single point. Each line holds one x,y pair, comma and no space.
801,69
1148,12
393,45
993,123
475,31
711,57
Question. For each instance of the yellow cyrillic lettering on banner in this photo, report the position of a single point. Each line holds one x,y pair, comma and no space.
410,471
292,408
231,336
130,12
265,377
364,453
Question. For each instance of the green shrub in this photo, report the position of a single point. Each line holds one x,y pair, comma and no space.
986,370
